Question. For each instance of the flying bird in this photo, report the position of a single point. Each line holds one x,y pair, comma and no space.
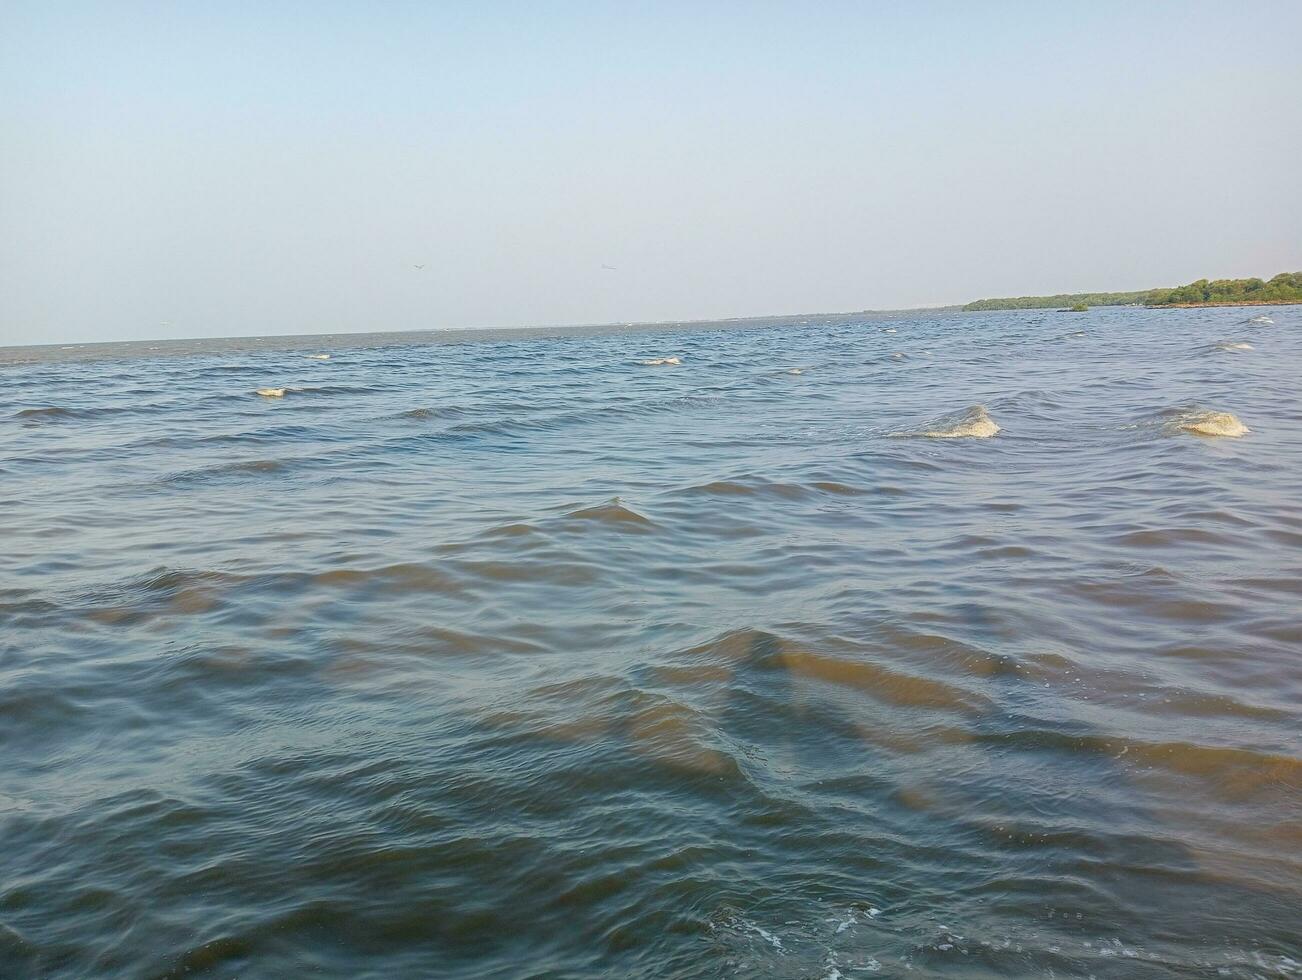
418,266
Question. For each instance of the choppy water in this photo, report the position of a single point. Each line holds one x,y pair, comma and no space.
520,657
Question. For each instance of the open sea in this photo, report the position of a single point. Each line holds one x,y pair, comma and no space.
930,645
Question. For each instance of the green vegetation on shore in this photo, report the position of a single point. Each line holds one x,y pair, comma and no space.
1062,301
1283,288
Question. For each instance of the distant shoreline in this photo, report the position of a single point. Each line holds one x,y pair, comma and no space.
1284,289
1194,306
163,346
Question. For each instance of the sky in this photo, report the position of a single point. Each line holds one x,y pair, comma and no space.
185,169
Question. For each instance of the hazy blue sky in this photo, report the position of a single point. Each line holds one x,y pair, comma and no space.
195,169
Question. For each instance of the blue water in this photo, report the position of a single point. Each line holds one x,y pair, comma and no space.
509,655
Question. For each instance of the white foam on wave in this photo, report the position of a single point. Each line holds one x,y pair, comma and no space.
796,371
1202,423
1233,346
271,392
853,918
772,939
975,423
318,357
659,361
1261,319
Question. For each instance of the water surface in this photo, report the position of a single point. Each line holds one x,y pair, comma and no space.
512,655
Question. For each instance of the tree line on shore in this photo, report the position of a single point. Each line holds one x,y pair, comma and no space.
1283,288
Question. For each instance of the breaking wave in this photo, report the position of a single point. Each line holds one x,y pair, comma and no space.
1207,423
973,423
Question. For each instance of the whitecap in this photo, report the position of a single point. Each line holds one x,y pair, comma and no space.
271,392
975,423
1265,320
853,919
774,941
1232,346
658,361
318,357
1203,423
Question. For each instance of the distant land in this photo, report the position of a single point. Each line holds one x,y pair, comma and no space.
1283,288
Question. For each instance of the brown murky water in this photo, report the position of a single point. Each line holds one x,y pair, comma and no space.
513,655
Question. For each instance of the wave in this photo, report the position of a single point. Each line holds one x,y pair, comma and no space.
511,427
425,414
189,591
318,390
974,423
596,415
269,435
659,361
128,406
1207,423
223,471
255,466
885,684
1231,346
52,413
755,486
1222,770
746,487
738,656
614,514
